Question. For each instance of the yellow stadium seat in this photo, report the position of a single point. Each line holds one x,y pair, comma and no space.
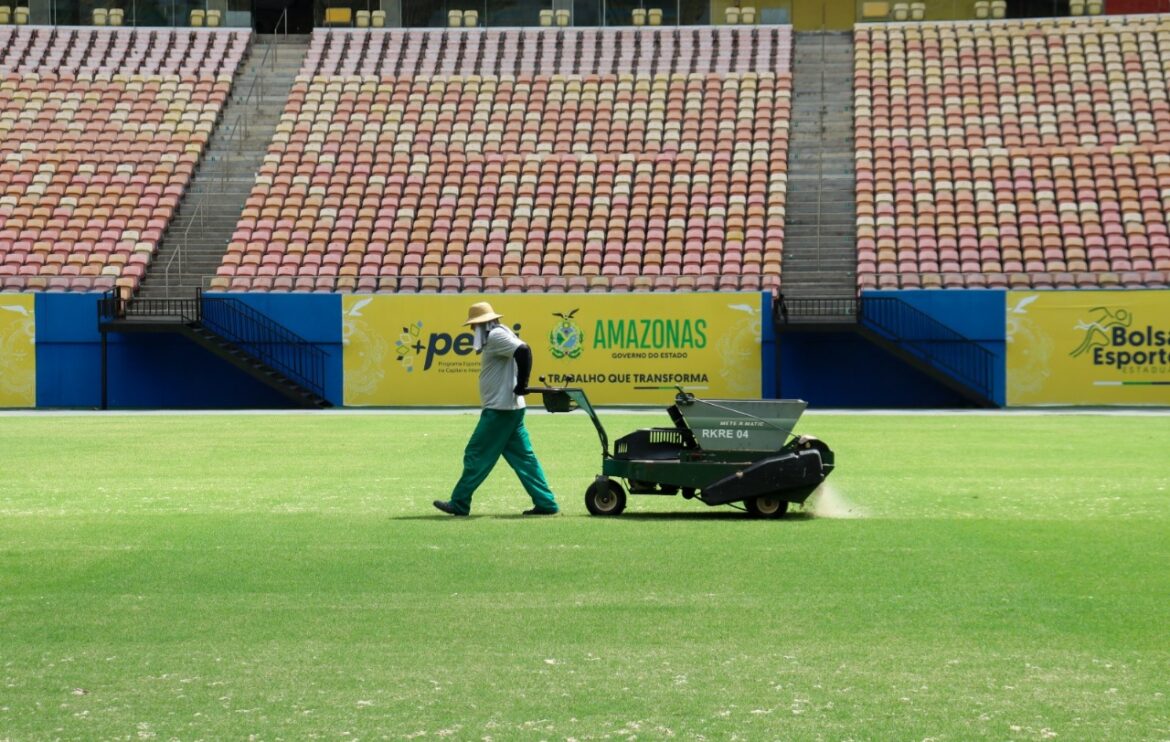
338,16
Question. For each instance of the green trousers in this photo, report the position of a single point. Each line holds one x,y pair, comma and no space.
501,432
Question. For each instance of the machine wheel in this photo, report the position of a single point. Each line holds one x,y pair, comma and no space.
605,497
766,506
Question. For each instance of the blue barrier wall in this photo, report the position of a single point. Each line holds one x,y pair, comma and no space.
975,314
841,369
167,370
827,369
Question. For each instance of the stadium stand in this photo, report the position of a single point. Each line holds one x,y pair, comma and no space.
100,132
1021,154
555,159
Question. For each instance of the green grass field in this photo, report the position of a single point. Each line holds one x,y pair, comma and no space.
271,577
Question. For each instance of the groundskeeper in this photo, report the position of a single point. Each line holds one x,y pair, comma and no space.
503,382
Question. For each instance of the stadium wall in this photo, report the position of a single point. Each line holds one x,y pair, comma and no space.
165,370
841,369
169,371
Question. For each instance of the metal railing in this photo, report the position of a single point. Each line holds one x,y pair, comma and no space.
237,131
179,255
930,340
265,339
283,19
235,322
113,306
815,309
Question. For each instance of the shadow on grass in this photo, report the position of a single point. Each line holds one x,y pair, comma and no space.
692,516
710,515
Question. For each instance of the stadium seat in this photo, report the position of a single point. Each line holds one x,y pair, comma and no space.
99,196
991,174
583,170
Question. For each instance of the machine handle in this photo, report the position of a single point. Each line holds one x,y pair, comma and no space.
578,397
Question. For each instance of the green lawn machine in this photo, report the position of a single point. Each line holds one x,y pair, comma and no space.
718,451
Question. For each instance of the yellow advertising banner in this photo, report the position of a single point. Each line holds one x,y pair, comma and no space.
1088,347
18,352
622,348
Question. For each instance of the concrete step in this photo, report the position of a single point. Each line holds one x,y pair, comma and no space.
818,69
825,211
839,177
207,232
832,249
810,194
792,231
837,118
821,280
813,262
836,121
226,173
207,223
816,278
843,226
809,207
811,255
828,158
219,198
833,112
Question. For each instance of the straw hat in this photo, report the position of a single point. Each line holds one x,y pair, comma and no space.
481,312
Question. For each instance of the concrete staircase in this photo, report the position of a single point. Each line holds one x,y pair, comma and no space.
194,244
820,256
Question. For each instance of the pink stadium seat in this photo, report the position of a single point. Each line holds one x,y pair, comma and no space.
102,196
1018,180
529,169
